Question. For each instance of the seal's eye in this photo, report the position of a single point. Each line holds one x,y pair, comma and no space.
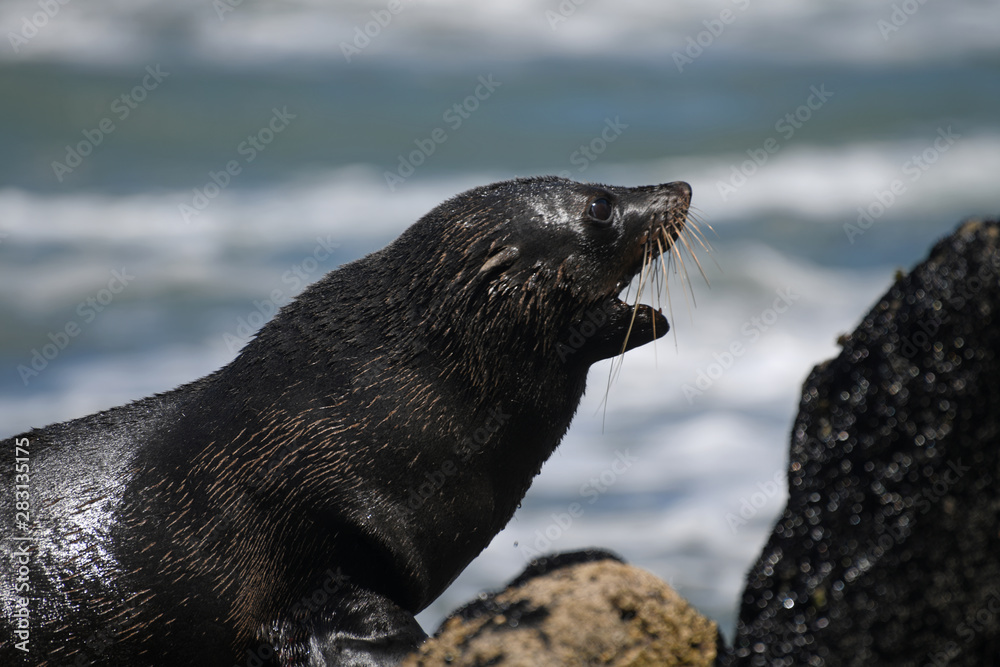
600,210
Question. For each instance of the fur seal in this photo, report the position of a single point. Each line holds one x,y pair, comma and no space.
299,505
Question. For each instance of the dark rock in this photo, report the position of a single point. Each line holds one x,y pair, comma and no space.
582,608
888,552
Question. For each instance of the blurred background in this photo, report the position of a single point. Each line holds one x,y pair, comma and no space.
173,172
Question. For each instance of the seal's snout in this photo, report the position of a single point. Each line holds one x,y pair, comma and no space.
679,190
673,200
656,221
663,218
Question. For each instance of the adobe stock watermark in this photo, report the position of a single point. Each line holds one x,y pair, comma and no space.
87,311
248,149
454,117
900,16
122,107
31,25
714,28
295,278
565,9
20,555
435,480
583,156
750,507
751,330
910,172
223,7
363,35
469,446
786,126
593,489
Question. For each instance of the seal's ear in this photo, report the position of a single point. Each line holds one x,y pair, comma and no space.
501,259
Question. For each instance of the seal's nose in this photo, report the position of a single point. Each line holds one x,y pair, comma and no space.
681,190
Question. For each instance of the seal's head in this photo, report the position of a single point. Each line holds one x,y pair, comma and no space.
539,258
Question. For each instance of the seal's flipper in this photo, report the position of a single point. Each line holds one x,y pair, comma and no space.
361,629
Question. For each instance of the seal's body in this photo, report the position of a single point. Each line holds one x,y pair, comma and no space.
301,504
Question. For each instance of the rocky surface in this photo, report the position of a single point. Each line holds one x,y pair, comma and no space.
582,608
888,552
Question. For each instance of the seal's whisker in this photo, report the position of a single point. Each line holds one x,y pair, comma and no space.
685,279
643,272
650,260
666,288
695,231
694,214
619,359
692,228
691,252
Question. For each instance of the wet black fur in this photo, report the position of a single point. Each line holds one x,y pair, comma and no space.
331,481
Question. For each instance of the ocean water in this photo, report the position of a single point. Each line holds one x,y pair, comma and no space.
174,172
